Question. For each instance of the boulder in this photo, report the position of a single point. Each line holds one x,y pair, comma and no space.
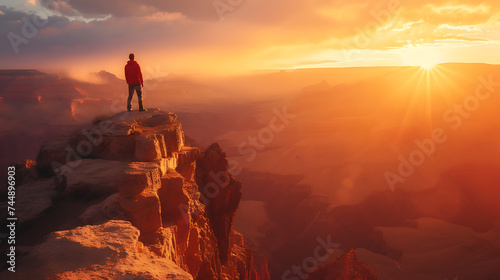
91,176
107,251
107,210
97,177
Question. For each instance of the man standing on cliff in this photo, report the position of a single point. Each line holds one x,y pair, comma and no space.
133,75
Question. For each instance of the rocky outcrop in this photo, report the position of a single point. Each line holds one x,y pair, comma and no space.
221,192
108,251
147,198
346,267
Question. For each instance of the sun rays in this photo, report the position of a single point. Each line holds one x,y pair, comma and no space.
428,89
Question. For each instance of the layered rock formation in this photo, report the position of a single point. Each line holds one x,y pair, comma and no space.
139,204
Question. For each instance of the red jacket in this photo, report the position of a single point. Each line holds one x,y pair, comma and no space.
133,73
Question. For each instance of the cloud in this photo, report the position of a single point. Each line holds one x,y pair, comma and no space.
189,33
17,28
195,9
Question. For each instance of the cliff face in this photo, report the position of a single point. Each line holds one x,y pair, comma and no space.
127,199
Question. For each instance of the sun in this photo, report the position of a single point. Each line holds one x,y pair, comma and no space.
428,65
423,57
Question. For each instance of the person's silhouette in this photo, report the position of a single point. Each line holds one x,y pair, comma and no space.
133,75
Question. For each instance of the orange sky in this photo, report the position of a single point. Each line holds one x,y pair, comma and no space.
233,36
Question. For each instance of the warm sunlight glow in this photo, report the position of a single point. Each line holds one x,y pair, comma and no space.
426,58
428,65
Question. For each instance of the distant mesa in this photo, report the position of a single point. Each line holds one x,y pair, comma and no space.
21,73
108,77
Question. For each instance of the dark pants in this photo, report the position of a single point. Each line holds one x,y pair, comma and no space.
137,88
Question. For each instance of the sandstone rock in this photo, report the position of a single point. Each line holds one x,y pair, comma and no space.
242,261
158,118
172,161
107,210
89,142
174,137
138,177
163,242
180,204
101,177
120,147
108,251
163,166
163,146
172,196
249,263
143,210
147,147
260,266
114,138
153,117
221,193
200,250
92,176
186,165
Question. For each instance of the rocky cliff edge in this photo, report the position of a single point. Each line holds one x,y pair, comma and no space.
126,198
